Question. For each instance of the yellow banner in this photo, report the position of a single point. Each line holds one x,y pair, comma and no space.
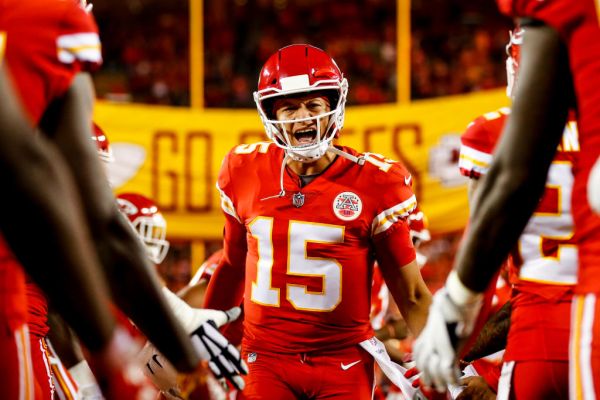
173,155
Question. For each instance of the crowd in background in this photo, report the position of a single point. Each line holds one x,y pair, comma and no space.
149,62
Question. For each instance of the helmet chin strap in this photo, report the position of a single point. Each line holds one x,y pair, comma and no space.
359,160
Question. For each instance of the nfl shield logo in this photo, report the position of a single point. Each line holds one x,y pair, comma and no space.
298,200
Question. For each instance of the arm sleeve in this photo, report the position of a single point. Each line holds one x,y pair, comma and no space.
397,201
78,42
395,247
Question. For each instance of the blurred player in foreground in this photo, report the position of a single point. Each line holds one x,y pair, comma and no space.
544,264
560,62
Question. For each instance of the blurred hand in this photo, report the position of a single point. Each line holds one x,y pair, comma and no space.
476,389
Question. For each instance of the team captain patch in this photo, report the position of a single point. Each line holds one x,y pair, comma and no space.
347,206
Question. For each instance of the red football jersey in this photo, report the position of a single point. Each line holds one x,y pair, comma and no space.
37,310
546,252
543,270
46,43
578,23
310,252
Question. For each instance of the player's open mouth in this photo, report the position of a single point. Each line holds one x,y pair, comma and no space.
305,136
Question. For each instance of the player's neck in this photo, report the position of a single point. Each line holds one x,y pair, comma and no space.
313,168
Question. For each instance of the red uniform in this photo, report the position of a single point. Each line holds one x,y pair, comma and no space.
308,254
578,24
45,44
544,265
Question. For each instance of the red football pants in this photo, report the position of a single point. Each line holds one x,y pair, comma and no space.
16,371
340,374
536,380
584,351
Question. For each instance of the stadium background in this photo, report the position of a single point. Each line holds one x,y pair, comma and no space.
176,94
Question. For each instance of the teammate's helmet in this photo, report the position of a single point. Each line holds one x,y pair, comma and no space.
513,50
148,223
102,144
297,70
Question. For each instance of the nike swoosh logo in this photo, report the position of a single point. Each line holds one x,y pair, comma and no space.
155,359
348,366
407,180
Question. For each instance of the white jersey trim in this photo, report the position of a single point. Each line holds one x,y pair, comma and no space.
79,46
474,160
384,220
227,205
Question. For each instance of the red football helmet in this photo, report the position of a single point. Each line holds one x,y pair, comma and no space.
102,144
148,223
513,50
295,70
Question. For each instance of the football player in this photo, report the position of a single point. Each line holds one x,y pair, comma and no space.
560,64
544,264
305,220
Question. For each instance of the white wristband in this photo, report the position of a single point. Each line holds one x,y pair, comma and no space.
82,374
459,293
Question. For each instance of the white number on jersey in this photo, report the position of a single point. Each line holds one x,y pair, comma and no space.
299,264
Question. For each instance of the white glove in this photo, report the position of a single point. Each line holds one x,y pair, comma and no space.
451,320
223,358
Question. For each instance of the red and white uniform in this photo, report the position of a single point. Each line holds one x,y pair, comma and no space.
47,44
309,254
578,24
543,270
44,44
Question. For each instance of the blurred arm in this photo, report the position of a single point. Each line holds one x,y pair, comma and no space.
40,194
493,335
64,342
133,282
